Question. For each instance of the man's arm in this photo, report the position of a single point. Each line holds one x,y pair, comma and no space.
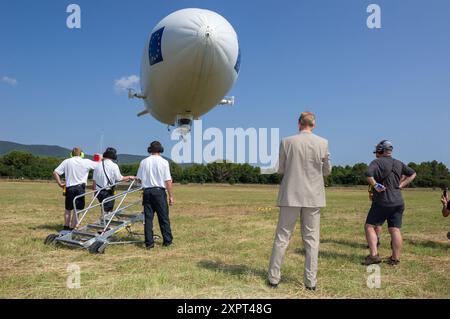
169,189
445,210
405,181
370,173
58,179
281,159
326,163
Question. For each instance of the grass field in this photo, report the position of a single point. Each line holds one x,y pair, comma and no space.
223,237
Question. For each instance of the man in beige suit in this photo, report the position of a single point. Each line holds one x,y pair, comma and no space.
304,160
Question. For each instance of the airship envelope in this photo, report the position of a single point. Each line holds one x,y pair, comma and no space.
190,62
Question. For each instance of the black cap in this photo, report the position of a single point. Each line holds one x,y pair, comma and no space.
383,146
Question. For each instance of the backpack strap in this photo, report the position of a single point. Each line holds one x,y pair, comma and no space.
104,171
390,172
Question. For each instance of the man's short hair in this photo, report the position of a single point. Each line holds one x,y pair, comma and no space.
155,147
76,151
110,153
307,119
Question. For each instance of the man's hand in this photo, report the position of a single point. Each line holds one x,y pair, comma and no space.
62,185
379,187
444,200
171,201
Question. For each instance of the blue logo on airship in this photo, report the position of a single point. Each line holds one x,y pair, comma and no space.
238,62
154,51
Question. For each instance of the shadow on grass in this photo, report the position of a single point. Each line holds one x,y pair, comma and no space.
236,270
344,242
428,244
55,227
241,270
334,255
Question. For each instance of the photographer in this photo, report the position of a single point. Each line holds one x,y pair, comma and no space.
388,177
107,173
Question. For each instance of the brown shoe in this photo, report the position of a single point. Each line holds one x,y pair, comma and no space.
391,261
370,260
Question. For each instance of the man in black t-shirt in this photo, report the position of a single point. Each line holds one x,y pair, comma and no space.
388,177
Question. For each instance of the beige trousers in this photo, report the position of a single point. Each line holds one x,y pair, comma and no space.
310,229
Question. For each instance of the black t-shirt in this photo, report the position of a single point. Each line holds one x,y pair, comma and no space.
388,171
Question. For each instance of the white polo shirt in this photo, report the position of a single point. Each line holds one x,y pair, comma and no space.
75,170
111,169
154,171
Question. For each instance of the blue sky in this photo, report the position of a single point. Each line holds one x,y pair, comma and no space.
364,85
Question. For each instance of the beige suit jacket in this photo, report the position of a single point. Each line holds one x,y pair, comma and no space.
304,160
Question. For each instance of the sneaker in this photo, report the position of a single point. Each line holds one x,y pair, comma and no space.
370,260
310,288
391,261
150,247
167,244
272,285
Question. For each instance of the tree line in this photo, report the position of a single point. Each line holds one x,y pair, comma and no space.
17,164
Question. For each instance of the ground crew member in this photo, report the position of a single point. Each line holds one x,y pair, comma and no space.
75,170
106,174
154,174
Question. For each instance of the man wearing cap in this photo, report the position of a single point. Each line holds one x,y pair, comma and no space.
107,174
154,174
75,170
303,160
388,177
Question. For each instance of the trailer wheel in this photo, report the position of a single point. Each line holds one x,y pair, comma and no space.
50,239
98,247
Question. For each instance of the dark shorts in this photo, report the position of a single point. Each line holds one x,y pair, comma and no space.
104,194
71,193
379,214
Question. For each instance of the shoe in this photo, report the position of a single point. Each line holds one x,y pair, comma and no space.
272,285
391,261
310,288
167,244
150,247
67,228
370,260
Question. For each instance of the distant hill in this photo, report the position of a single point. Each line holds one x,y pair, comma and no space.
58,151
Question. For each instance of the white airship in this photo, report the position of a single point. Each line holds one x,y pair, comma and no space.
190,62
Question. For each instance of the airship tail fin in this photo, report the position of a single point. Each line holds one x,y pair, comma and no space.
144,112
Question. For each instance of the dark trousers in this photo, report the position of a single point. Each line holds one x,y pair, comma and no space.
104,194
155,200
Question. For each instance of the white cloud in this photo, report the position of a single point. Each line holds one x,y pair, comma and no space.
126,82
10,81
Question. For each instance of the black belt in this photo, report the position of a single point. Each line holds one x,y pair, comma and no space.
162,188
78,185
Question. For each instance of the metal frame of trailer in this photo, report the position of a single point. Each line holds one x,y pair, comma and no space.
98,235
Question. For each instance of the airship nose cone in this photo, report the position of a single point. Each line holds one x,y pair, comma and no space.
206,33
